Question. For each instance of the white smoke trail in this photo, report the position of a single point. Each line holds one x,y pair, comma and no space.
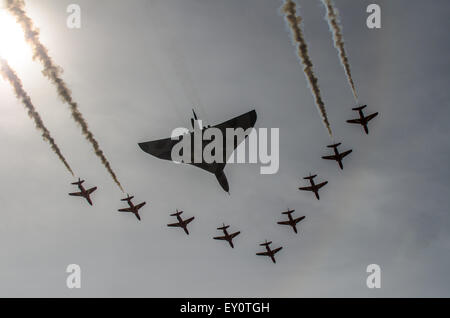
53,72
335,28
11,76
294,23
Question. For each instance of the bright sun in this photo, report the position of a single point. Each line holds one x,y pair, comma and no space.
13,47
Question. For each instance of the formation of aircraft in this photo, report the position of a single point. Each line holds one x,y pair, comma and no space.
162,148
362,120
291,221
337,155
227,237
83,192
269,252
313,187
132,208
181,223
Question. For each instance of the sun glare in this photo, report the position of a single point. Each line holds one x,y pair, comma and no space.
13,47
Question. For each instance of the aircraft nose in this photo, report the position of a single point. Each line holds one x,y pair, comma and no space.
142,146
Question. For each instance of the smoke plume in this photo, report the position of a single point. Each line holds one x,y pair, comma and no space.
294,22
53,72
11,76
333,21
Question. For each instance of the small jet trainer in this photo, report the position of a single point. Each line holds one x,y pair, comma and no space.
181,223
291,221
132,208
162,148
83,192
362,120
227,237
337,155
314,187
269,252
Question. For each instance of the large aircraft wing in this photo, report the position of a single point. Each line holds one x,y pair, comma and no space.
89,191
174,224
220,238
126,210
77,194
371,116
345,153
140,205
187,221
284,223
244,121
233,235
299,219
161,148
320,185
277,250
306,188
263,254
354,121
333,157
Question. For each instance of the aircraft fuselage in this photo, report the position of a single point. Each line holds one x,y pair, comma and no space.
315,189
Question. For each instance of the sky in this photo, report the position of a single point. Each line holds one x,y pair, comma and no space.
136,68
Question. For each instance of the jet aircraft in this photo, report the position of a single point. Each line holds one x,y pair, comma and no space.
181,223
314,187
162,148
132,208
227,237
269,252
337,155
362,120
83,192
291,221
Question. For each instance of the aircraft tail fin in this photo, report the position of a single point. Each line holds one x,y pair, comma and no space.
334,145
78,182
359,107
288,212
195,120
176,214
222,179
223,227
310,177
127,198
266,243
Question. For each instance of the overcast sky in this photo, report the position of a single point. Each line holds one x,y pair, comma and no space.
137,67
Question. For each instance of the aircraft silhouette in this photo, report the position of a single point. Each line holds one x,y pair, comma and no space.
132,208
362,120
269,252
162,148
181,223
83,192
337,156
227,237
314,187
292,222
